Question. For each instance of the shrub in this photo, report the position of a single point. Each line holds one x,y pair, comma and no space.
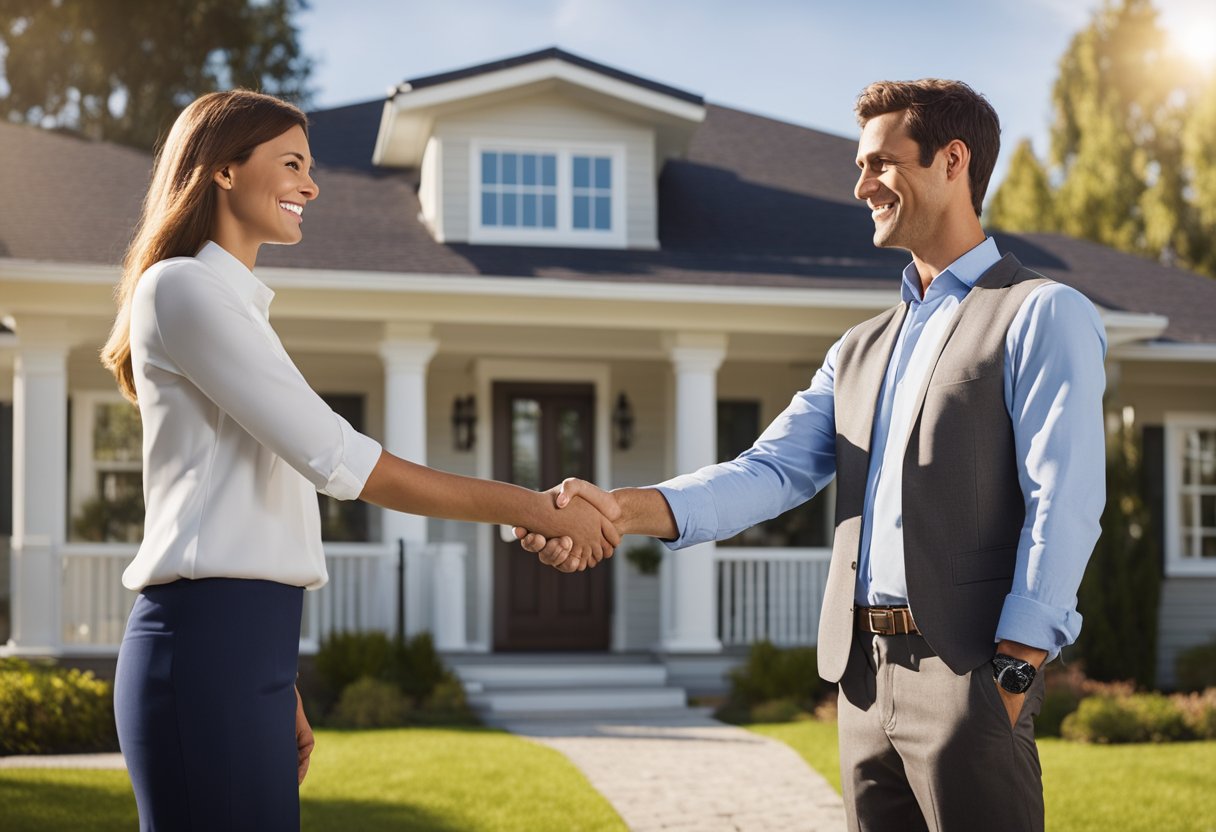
769,675
1196,667
1141,717
1199,712
54,710
777,710
371,703
411,668
344,658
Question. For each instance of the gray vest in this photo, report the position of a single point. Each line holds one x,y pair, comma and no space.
962,503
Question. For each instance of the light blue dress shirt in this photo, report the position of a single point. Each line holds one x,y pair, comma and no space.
1054,381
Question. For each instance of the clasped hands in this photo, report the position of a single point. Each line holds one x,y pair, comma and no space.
584,509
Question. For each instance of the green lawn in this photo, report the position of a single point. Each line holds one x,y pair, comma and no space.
430,780
1087,788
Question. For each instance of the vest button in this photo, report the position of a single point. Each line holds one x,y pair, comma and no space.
899,522
853,564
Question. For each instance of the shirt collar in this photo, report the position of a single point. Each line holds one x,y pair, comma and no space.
234,273
963,272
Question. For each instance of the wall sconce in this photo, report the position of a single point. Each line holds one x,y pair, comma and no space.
622,421
464,422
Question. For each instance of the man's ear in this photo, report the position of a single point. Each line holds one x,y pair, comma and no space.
958,158
223,178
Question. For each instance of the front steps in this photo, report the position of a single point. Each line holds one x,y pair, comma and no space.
531,686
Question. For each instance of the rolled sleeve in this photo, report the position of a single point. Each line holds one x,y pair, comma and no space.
1036,624
359,456
692,505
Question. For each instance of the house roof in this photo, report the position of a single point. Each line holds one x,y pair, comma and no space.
553,53
755,202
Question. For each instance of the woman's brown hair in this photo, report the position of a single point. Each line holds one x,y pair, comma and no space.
218,129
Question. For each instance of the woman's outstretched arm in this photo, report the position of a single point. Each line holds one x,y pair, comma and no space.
401,485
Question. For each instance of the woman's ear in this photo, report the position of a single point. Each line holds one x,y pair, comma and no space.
223,178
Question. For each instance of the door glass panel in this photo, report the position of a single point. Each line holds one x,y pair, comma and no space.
525,443
570,443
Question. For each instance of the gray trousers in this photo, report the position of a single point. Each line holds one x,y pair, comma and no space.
924,749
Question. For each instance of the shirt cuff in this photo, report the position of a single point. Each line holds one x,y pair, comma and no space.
692,506
359,456
1035,624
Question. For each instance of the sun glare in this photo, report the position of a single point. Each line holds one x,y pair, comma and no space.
1194,35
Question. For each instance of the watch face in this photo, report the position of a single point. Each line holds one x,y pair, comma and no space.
1014,677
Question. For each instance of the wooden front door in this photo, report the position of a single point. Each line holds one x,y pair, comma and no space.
542,434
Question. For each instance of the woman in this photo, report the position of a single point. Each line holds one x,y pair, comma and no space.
235,446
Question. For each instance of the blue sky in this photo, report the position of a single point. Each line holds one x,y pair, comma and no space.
802,62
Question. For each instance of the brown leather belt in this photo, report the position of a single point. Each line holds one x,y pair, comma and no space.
886,621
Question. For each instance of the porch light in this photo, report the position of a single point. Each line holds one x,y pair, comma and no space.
464,422
622,421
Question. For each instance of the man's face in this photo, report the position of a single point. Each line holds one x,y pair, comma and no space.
907,202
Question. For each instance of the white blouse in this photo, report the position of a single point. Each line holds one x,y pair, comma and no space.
235,442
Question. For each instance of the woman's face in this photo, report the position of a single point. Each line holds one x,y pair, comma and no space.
267,193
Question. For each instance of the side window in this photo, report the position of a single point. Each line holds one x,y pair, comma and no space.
345,520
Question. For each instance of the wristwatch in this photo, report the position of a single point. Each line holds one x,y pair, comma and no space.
1014,675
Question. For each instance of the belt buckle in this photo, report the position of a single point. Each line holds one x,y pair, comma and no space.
886,616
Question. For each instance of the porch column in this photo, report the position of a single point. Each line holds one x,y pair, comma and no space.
690,586
40,419
407,350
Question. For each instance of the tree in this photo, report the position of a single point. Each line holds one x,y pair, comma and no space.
1024,202
81,65
1125,108
1199,159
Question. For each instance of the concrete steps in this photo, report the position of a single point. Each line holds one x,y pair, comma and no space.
519,686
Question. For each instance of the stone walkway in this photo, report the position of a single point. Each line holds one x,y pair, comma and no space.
689,772
669,772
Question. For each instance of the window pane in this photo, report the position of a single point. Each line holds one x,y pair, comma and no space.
1208,549
510,212
582,212
529,211
1207,511
549,171
603,173
1200,453
582,172
571,451
529,160
510,168
548,211
116,433
489,209
603,213
489,168
525,443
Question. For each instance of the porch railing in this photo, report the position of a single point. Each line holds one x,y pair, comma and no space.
94,605
770,594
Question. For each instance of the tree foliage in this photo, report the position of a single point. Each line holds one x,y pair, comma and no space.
1130,151
123,71
1024,201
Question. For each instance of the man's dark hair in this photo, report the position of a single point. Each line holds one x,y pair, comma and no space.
937,112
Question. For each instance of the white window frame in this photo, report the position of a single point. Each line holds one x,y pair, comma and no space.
1176,427
84,465
565,234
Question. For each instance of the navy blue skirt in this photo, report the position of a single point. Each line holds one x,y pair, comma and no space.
205,702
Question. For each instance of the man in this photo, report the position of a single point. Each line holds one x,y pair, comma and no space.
965,429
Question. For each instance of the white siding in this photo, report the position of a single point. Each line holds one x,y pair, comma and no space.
1187,617
551,117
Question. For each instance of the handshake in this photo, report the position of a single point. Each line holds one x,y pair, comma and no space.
586,528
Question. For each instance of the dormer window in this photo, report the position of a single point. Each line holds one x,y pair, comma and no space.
547,194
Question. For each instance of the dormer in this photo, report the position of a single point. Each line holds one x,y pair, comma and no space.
545,149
